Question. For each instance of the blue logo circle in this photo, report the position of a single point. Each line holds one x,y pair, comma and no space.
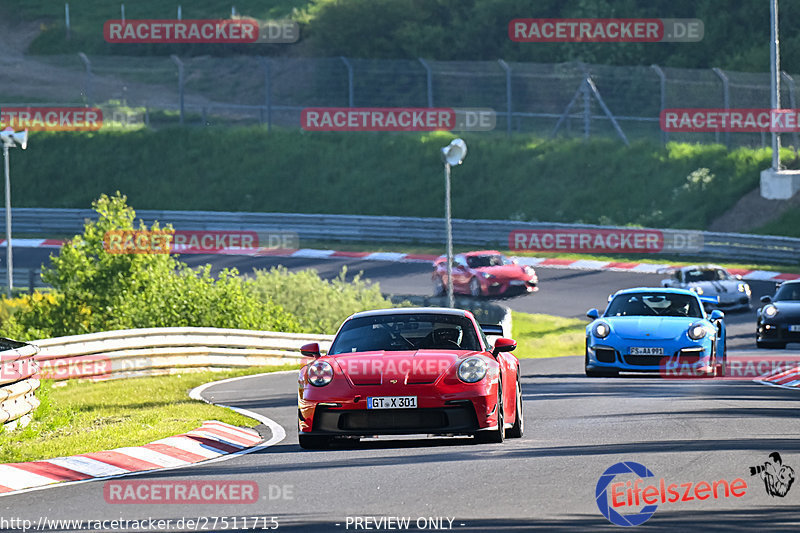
633,519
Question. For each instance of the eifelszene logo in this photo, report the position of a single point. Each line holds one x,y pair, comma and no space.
778,477
629,493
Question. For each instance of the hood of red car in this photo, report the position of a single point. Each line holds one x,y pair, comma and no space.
407,367
505,271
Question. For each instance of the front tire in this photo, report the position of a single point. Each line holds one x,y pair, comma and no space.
518,428
498,435
474,287
438,287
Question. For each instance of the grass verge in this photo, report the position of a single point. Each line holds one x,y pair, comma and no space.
80,417
540,335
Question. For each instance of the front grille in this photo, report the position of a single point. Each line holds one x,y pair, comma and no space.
605,355
453,419
645,360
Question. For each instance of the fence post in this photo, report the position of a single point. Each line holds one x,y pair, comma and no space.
726,101
429,76
662,78
268,90
179,63
792,104
509,107
66,18
88,89
349,80
31,280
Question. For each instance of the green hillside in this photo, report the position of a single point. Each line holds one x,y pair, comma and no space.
524,178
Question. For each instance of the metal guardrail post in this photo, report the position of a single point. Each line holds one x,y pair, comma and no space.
792,104
509,102
662,78
268,90
88,89
726,101
429,80
179,63
350,91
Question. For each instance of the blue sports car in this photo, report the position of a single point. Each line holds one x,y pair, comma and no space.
655,330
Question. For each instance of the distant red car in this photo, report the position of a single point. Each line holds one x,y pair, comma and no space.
410,371
484,273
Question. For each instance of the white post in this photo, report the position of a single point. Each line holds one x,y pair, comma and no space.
122,12
66,18
9,258
179,13
449,227
775,80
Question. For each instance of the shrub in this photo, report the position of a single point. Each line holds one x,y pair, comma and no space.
319,305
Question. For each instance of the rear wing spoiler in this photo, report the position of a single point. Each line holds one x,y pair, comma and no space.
493,329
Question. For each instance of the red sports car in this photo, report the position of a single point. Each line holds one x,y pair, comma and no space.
410,371
487,273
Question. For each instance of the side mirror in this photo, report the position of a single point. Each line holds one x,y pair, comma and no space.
766,299
716,314
310,350
504,345
593,314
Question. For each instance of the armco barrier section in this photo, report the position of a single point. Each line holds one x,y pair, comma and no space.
154,351
722,246
18,382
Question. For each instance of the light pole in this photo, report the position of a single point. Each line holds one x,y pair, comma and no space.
10,138
452,154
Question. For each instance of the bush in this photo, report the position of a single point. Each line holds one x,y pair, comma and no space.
319,305
98,291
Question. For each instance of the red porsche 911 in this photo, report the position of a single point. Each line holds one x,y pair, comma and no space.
484,273
410,371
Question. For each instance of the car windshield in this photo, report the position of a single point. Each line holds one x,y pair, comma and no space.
654,304
402,332
788,292
707,274
478,261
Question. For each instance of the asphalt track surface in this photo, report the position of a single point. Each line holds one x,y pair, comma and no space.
576,427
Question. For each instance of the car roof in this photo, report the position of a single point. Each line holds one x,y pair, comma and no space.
481,252
656,290
412,311
702,267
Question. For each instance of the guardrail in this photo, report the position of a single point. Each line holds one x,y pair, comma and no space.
18,382
155,351
408,230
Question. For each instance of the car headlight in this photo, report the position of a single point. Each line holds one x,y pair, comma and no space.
697,331
529,270
697,289
601,330
770,311
744,287
319,373
472,369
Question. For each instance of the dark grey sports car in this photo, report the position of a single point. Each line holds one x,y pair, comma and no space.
778,322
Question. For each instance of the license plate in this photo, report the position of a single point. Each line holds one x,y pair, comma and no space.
516,282
392,402
649,350
794,328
